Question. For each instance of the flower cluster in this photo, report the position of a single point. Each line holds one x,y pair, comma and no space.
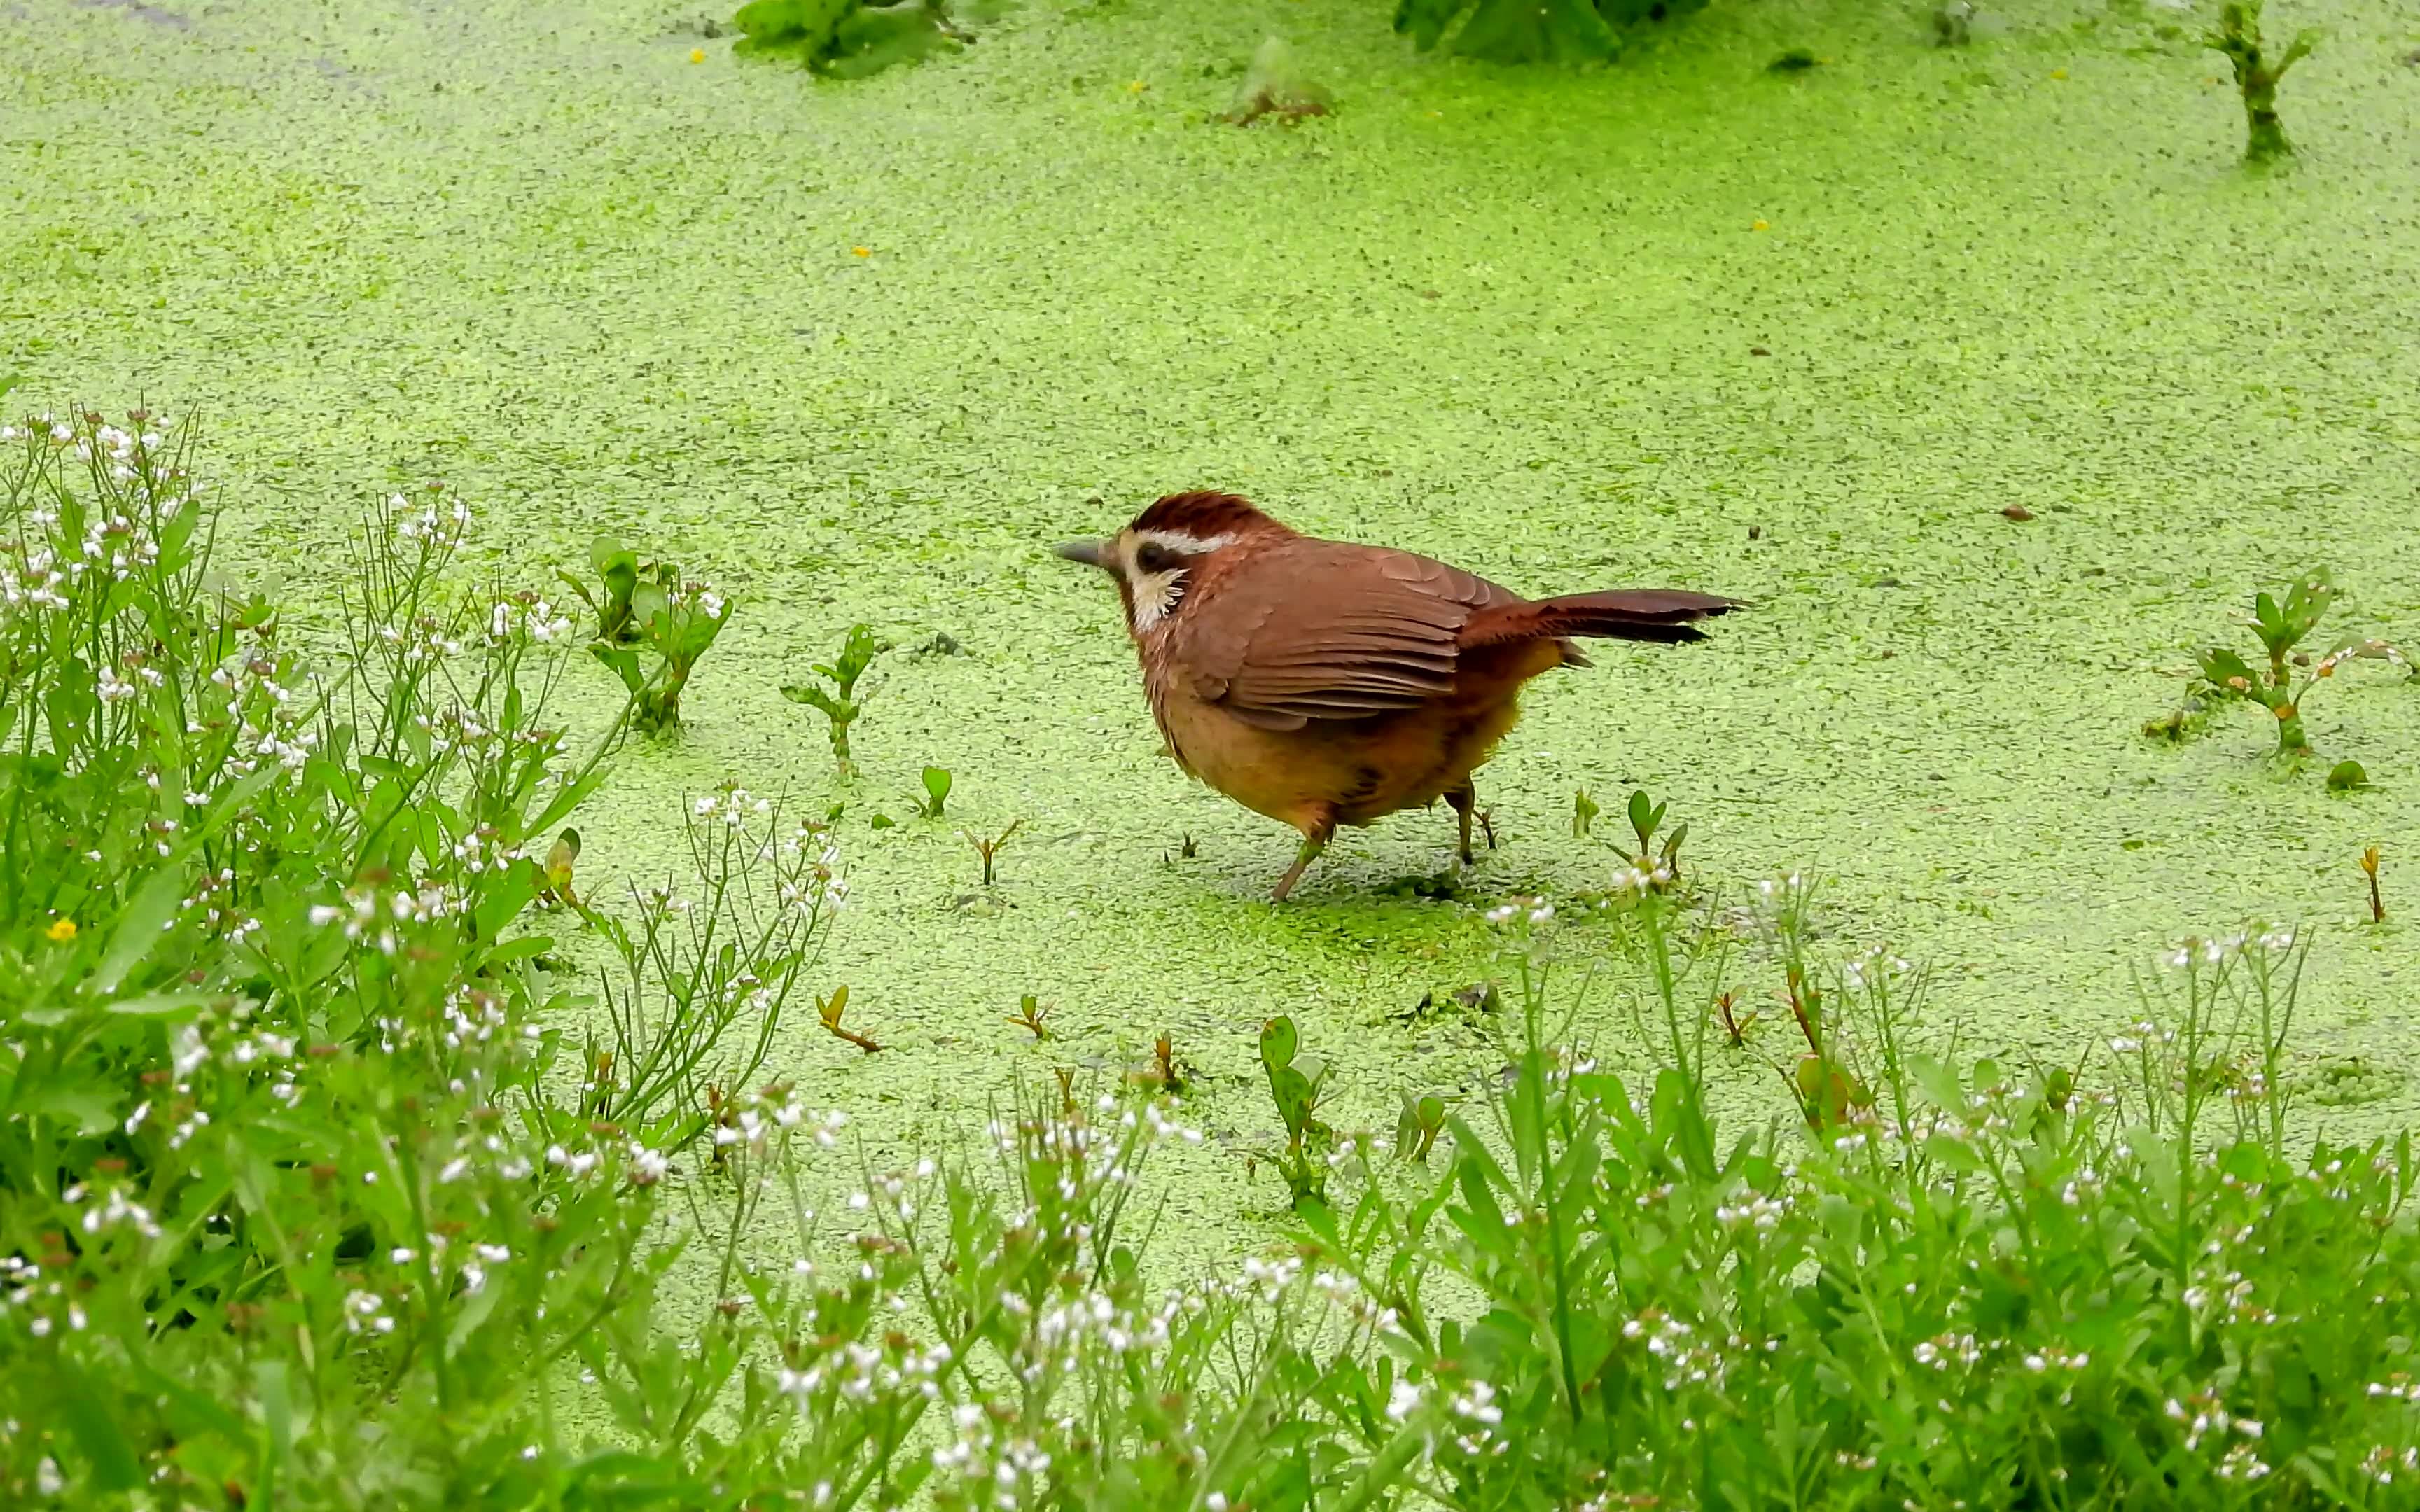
526,616
437,524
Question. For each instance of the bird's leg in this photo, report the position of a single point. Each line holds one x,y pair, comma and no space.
1463,800
1315,837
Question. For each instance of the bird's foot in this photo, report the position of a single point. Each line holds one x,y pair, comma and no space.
1312,845
1463,802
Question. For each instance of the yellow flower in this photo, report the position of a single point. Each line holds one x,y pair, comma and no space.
2058,74
862,252
61,928
1136,88
1761,225
697,54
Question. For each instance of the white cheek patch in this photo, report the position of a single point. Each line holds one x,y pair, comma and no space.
1154,595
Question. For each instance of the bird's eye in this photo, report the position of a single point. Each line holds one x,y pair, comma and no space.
1152,558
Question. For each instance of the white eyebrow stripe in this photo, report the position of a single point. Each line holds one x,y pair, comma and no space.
1192,546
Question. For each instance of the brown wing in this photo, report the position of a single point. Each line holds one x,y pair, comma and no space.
1327,630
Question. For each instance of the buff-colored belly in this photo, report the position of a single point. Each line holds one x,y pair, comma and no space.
1347,771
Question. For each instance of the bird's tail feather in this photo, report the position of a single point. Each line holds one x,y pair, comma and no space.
1662,614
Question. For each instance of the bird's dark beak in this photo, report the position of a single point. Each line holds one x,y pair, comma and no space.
1086,552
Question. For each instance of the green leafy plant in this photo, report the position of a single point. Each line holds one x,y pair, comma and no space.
561,858
2237,38
1584,812
1653,870
2369,863
829,1010
853,39
1417,1130
2281,627
840,703
988,848
617,572
1032,1015
2063,1269
1736,1025
673,624
272,1048
1532,31
1163,1073
704,981
1297,1084
937,793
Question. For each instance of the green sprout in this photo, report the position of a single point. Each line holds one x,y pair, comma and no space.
1297,1087
839,702
989,849
1032,1015
1584,812
937,791
1662,868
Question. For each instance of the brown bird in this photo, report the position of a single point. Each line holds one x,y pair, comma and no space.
1326,684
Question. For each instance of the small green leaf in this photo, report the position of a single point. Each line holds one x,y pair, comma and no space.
2223,671
2345,776
1277,1042
624,663
159,1005
1956,1154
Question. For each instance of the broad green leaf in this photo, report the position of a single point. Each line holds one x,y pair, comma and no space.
503,898
140,924
871,39
1957,1154
92,1419
2223,669
1536,31
1425,21
89,1110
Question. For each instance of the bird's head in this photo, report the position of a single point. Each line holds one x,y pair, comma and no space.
1168,548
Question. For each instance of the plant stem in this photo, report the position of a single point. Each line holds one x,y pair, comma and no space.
2292,740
